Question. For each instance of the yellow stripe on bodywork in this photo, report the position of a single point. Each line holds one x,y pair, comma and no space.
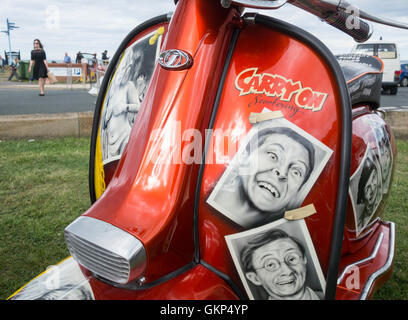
154,38
99,172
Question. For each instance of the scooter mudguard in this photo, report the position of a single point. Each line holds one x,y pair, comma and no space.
251,148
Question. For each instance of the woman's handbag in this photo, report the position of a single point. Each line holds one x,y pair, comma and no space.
52,78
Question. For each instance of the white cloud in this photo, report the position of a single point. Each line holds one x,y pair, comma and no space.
339,42
87,26
93,26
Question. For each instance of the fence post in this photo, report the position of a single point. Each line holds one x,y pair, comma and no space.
69,76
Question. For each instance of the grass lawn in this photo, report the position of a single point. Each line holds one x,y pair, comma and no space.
396,210
44,187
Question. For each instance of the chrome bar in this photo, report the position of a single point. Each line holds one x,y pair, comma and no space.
385,267
369,258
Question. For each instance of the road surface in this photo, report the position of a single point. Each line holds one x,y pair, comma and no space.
16,99
23,99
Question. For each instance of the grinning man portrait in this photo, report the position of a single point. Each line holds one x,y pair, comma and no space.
277,262
272,174
366,189
369,190
385,153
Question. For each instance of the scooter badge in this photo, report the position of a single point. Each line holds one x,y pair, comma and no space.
174,59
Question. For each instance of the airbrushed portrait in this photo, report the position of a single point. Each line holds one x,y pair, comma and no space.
385,152
64,281
278,262
273,171
125,95
366,189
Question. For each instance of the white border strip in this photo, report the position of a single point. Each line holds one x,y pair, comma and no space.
371,257
385,267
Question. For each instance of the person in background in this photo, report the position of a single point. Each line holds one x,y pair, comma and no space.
79,57
1,63
39,61
67,58
14,68
105,55
94,61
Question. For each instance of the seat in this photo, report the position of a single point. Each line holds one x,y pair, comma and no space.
364,77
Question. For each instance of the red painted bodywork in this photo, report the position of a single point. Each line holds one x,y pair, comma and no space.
154,202
357,248
198,283
323,125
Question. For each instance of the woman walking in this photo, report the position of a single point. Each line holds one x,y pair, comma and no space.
39,60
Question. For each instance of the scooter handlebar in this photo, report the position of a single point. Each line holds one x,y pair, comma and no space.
358,29
336,13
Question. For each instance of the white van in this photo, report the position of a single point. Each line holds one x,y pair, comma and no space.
388,52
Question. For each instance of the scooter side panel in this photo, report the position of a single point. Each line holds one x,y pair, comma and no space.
369,243
121,102
151,194
271,72
372,169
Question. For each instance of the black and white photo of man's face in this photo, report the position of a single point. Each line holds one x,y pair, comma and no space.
371,189
277,261
274,169
385,152
386,161
278,169
366,188
280,268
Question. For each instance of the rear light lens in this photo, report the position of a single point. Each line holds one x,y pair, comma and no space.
105,250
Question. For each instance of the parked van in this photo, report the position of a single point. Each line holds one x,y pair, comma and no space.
388,52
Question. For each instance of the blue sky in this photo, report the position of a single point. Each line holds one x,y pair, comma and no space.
93,26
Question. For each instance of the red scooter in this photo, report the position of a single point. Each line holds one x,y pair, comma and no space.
233,156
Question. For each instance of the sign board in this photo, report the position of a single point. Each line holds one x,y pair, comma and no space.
64,72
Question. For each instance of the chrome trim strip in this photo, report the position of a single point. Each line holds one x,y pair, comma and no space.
260,4
368,229
170,15
381,112
385,267
369,258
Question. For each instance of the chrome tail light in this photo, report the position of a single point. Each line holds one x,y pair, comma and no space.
105,250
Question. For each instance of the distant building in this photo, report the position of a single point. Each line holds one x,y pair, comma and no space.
14,55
